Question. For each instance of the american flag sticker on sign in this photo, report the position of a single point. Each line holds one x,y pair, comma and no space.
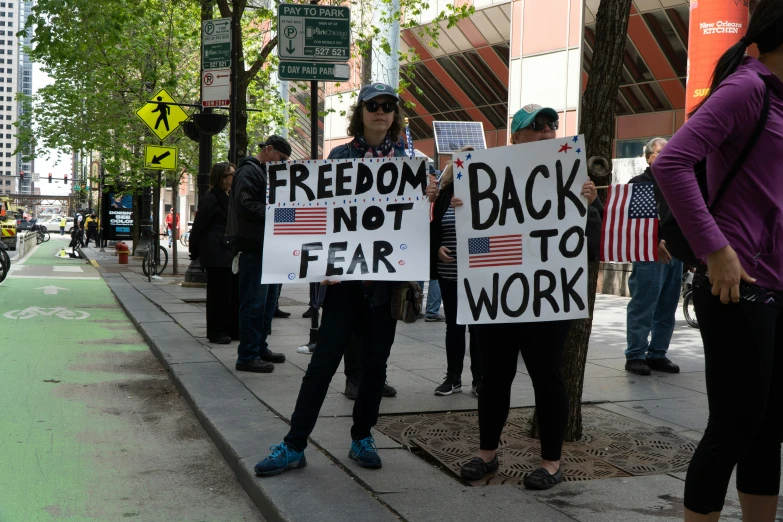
300,221
495,251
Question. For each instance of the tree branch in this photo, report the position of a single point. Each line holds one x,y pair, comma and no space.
251,73
225,10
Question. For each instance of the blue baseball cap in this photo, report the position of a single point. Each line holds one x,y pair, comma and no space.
525,116
374,90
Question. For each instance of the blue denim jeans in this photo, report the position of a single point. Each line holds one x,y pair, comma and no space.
256,308
655,294
432,309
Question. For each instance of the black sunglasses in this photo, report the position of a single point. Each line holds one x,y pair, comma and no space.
538,126
387,106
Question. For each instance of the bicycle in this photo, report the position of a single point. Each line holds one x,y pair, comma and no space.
42,234
156,258
688,308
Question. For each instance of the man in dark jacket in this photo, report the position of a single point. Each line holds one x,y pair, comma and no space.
655,293
245,228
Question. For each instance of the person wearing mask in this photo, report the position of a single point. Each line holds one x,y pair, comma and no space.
63,222
655,294
208,245
443,265
738,291
354,313
91,224
541,345
245,229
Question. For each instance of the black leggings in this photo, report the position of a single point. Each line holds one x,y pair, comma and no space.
455,334
541,345
745,394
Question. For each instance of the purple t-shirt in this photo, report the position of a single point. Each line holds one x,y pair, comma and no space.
749,217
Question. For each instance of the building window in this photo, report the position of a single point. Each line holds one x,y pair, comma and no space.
8,182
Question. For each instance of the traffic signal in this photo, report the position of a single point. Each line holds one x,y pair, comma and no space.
65,178
50,177
21,175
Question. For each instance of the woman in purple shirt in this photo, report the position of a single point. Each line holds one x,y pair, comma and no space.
739,298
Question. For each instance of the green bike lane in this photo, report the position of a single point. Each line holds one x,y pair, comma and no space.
91,426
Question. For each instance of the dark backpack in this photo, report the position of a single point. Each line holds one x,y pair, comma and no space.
406,301
676,242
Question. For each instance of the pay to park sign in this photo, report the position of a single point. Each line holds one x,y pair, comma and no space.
521,246
360,219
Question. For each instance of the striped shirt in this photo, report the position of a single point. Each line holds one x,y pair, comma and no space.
449,240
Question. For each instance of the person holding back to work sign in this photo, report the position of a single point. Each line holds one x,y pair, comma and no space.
358,311
541,344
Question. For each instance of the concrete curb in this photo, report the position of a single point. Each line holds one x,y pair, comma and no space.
235,420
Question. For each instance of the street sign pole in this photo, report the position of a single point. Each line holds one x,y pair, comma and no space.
232,108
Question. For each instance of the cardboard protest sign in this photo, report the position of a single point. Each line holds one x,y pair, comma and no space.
348,219
521,246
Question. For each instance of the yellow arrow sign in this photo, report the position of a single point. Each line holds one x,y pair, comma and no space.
161,116
160,158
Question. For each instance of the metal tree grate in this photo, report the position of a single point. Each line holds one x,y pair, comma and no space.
613,445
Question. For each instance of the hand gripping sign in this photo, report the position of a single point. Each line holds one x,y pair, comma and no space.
521,246
351,219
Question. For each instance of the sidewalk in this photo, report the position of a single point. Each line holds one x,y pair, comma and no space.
246,413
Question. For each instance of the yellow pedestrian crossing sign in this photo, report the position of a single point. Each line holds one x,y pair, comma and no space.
161,115
160,158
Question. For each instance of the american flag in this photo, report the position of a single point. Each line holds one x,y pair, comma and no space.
300,221
495,251
630,226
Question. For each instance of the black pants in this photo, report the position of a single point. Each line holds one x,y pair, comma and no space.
353,358
455,334
222,303
541,345
345,312
743,352
91,234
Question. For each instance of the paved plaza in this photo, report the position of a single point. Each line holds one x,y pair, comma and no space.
245,413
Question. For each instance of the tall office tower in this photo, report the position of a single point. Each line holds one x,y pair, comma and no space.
24,85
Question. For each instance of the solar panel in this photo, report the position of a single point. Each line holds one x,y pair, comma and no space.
450,136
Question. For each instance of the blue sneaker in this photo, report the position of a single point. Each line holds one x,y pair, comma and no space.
282,458
365,453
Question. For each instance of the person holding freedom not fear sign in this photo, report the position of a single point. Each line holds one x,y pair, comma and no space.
541,345
355,313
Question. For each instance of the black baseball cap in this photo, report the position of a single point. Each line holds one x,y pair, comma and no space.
278,143
374,90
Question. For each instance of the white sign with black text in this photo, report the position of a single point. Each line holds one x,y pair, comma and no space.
351,219
521,245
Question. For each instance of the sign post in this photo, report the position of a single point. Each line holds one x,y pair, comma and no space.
216,63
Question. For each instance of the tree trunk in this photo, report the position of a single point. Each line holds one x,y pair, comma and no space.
597,124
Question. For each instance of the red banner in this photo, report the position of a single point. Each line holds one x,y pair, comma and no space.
715,26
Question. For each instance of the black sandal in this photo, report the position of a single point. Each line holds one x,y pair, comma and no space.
477,468
542,479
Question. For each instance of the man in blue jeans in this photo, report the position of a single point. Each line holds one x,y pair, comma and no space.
245,227
655,293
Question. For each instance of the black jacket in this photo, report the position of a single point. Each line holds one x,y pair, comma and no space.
208,235
663,207
247,207
595,214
